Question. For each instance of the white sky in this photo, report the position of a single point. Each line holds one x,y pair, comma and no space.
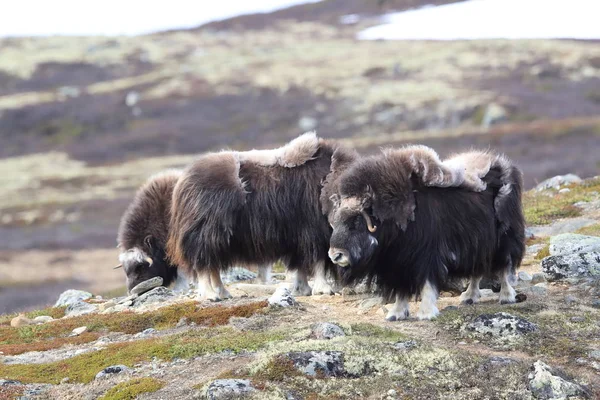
121,17
492,19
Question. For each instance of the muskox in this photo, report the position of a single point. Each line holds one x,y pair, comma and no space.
144,230
393,228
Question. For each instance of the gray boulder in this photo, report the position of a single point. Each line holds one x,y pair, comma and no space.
547,384
557,181
581,265
80,308
72,296
112,370
501,326
156,295
326,330
571,243
147,285
238,274
319,363
224,389
283,298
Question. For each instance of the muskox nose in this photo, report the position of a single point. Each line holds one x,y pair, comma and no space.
339,256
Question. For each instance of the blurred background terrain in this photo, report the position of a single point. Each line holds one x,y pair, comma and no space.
84,120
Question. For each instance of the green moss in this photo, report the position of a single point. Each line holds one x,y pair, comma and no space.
83,368
375,331
592,230
543,253
131,389
278,369
546,207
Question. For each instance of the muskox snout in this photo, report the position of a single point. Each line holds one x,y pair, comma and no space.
339,256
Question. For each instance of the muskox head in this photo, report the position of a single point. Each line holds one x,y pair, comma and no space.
354,237
140,266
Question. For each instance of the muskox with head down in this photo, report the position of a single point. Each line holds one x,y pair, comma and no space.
143,233
391,226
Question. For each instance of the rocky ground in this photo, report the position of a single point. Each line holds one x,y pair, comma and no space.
264,343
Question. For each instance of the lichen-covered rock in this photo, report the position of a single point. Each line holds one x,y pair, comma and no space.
156,295
112,370
525,277
238,274
557,181
405,345
72,296
282,297
571,243
538,277
326,330
20,320
547,384
581,265
319,363
501,326
147,285
42,319
80,308
225,389
79,331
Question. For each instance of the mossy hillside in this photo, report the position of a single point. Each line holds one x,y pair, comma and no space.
130,390
84,367
542,208
56,333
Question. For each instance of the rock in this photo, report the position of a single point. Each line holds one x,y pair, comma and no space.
570,300
80,308
405,345
307,124
538,277
571,243
145,286
557,181
582,265
156,295
494,113
539,289
20,320
577,319
42,319
225,389
500,326
72,296
349,19
128,300
450,308
107,305
596,303
79,331
321,363
563,226
282,297
112,370
132,98
534,249
369,303
547,384
238,274
8,382
525,277
564,190
326,330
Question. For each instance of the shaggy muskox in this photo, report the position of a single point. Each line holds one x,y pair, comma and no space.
393,228
143,233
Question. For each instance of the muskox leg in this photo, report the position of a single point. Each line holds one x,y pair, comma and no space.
428,308
182,283
264,273
399,310
205,289
301,286
507,293
217,285
321,286
472,294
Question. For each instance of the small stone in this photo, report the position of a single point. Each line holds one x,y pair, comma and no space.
112,370
283,298
525,277
20,320
538,277
569,299
564,190
79,331
577,319
392,393
9,382
596,303
450,308
539,289
222,389
72,296
326,330
369,303
157,295
80,308
546,384
107,305
595,354
558,181
145,286
64,380
322,363
405,345
503,326
42,319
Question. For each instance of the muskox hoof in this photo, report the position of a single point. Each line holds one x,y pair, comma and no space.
467,302
323,288
467,298
224,294
428,315
397,316
303,290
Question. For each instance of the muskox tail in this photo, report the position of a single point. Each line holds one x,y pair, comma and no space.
509,215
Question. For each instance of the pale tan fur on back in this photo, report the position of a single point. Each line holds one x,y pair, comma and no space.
476,165
293,154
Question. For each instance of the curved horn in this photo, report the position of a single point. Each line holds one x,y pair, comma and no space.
118,266
149,260
372,228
